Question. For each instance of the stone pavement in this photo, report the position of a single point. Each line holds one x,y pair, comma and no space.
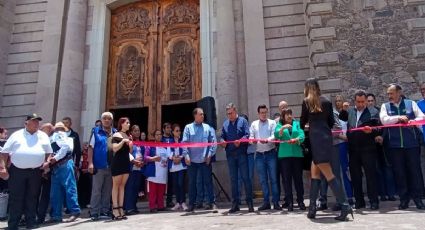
388,217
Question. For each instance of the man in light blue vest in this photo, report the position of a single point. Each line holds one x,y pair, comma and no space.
403,145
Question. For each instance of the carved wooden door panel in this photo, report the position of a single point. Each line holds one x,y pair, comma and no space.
154,56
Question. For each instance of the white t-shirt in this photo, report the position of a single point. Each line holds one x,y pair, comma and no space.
161,167
27,150
176,167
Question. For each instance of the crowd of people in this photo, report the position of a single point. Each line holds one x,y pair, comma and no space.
46,166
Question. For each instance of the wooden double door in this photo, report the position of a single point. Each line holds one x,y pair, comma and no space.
154,57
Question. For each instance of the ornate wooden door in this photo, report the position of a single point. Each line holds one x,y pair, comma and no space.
154,56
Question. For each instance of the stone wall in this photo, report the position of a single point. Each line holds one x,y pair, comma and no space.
21,26
367,44
286,52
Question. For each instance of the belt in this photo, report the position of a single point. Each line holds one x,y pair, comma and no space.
27,169
266,152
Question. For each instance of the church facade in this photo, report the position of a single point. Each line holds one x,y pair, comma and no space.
153,60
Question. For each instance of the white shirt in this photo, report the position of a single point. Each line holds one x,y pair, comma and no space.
389,120
161,167
176,167
65,143
359,114
27,151
263,130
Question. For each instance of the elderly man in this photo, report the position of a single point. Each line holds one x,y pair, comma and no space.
199,159
236,128
403,145
76,152
63,177
28,149
99,166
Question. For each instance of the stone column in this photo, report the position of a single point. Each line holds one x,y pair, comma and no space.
72,73
227,80
257,82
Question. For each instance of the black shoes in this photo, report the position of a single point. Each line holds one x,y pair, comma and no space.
285,205
235,208
312,209
374,206
419,204
345,210
250,206
263,207
392,198
170,204
276,206
403,205
291,207
190,208
301,206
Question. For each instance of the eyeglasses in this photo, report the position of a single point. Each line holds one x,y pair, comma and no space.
177,130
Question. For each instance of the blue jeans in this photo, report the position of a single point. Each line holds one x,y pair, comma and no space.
266,167
206,175
343,157
131,191
178,185
238,162
64,186
251,165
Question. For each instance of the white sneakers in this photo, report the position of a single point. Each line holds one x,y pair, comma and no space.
184,206
179,207
176,207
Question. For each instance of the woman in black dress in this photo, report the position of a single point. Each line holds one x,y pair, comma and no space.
120,166
317,113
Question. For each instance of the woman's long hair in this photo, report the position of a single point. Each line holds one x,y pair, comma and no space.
312,95
131,132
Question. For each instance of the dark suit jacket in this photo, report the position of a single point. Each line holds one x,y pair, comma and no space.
359,140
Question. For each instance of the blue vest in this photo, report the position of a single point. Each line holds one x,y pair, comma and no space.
100,151
402,137
150,166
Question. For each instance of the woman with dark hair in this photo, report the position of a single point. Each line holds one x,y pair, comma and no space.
177,166
317,112
156,173
136,177
121,146
290,156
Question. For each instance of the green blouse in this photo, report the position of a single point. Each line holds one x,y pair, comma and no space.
287,149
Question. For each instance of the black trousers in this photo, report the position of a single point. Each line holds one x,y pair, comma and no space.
24,187
44,201
367,160
84,189
170,189
407,172
292,170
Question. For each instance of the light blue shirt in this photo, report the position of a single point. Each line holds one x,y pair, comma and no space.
198,133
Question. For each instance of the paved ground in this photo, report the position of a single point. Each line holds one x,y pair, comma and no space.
388,217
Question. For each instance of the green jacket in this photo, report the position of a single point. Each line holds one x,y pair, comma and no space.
286,149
